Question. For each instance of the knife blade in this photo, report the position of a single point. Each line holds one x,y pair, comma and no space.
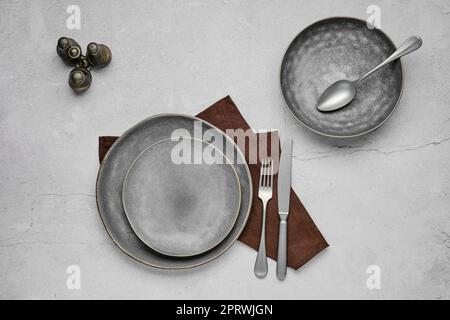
284,195
284,178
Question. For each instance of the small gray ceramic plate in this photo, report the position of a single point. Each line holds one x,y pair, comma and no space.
335,49
177,206
114,169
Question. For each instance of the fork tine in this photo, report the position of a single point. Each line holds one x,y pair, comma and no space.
265,174
261,173
271,173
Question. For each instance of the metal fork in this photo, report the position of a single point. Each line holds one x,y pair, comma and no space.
265,194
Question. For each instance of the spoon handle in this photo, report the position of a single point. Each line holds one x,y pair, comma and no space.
410,45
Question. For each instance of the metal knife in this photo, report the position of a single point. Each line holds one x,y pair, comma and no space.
284,195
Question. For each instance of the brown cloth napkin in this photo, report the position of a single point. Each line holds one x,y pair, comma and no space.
304,239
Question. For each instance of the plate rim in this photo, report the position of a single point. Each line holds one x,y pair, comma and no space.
287,105
190,266
235,214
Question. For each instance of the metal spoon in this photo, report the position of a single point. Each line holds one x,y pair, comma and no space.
340,93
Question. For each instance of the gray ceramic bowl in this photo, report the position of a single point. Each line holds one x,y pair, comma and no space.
334,49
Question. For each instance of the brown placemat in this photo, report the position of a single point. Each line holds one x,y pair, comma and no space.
304,239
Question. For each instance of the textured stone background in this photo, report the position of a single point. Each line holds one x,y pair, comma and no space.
382,199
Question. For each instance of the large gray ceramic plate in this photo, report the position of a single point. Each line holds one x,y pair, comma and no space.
334,49
114,169
177,206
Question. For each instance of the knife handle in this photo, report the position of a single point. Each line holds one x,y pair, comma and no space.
282,250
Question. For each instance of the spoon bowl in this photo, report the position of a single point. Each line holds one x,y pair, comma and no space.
339,93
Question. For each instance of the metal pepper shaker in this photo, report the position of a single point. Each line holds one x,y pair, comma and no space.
68,49
98,55
80,79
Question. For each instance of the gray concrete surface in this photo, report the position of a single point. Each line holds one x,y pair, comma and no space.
379,200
